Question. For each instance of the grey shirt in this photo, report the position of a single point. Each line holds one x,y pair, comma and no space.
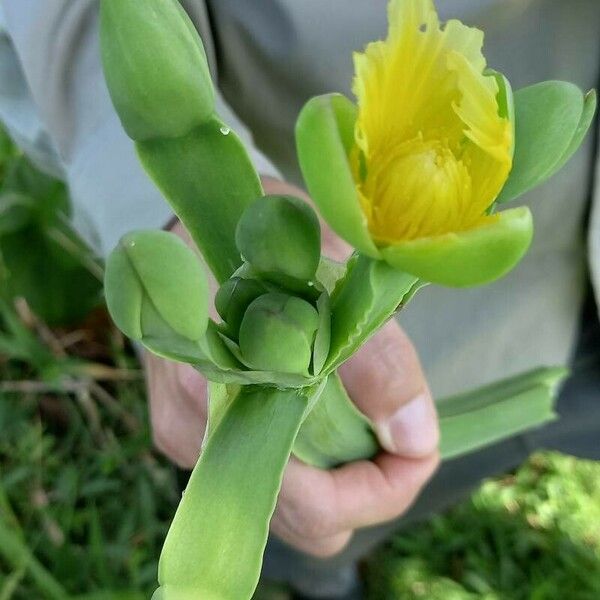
271,55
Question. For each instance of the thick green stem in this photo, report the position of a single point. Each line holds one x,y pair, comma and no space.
215,544
335,432
367,296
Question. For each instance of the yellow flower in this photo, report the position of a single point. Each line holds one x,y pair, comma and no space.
432,149
410,176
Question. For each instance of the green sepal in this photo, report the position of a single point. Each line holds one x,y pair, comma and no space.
473,257
324,140
215,544
209,181
142,285
330,272
155,68
232,300
364,299
277,334
211,357
280,237
335,431
551,120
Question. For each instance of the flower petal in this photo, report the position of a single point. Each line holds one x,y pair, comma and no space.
403,84
468,258
324,138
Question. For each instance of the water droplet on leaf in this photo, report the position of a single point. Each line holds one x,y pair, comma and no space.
225,130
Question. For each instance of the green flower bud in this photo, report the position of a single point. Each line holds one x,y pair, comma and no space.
277,333
280,237
155,287
233,298
155,67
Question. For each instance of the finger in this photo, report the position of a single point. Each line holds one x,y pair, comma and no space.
178,409
372,492
316,506
304,517
386,382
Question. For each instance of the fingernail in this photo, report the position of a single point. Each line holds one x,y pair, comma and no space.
412,431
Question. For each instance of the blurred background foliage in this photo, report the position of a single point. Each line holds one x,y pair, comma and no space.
85,502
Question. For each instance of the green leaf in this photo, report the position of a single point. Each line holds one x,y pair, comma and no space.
550,123
467,258
215,544
209,181
280,237
335,432
367,296
154,283
589,112
323,337
155,68
475,419
324,139
54,279
15,212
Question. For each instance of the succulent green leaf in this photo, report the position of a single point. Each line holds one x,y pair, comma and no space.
216,541
467,258
323,337
154,284
475,419
209,181
550,123
589,111
155,67
335,431
15,212
324,140
280,237
278,333
364,299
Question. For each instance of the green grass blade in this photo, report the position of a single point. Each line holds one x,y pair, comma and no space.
15,552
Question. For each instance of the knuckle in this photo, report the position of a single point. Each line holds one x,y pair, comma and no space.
328,547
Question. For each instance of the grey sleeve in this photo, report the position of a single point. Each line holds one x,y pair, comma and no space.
54,101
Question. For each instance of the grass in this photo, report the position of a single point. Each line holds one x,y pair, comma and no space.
531,536
85,503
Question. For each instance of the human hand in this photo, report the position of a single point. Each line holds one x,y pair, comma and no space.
318,510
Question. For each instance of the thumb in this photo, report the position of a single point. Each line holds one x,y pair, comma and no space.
386,382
